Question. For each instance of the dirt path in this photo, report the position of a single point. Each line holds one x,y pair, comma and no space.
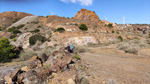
107,65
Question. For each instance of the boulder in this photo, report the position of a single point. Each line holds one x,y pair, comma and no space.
34,64
25,68
30,77
70,81
43,58
9,78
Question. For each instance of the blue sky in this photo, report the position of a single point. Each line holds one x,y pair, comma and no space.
135,11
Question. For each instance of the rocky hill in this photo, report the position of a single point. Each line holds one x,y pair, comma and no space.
7,18
87,15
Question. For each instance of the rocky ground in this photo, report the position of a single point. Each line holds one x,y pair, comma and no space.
108,65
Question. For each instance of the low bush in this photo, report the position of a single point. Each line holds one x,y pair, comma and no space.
12,36
33,39
20,26
60,30
120,38
83,27
39,26
132,46
14,39
149,35
11,29
26,55
7,52
113,31
110,25
16,31
35,31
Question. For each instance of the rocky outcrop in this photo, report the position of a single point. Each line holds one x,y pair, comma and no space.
22,40
87,15
40,68
5,34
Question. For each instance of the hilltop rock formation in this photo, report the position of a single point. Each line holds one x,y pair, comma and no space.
7,18
87,15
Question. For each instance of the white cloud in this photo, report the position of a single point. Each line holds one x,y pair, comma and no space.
81,2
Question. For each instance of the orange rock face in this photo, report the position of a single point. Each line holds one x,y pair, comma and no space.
87,15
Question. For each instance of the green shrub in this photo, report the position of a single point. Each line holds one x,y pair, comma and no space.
60,30
110,25
20,26
34,38
14,39
35,31
11,29
113,31
6,50
39,26
120,38
16,31
12,36
149,35
83,27
76,56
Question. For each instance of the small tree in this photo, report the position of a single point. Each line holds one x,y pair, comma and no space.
83,27
6,50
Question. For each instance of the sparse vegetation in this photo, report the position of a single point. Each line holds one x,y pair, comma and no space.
35,22
16,19
6,50
26,54
132,46
83,27
33,39
46,50
76,56
60,30
149,35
